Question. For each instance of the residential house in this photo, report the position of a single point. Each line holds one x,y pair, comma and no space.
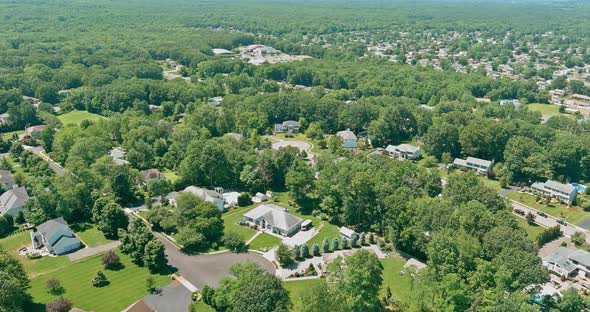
289,126
215,101
31,100
403,151
349,139
274,218
515,103
55,236
118,156
346,232
259,197
151,174
222,52
4,118
568,263
581,99
481,166
13,201
563,192
33,132
215,197
6,179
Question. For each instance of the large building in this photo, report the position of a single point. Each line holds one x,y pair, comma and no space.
481,166
562,192
55,236
289,126
274,218
567,262
403,151
6,179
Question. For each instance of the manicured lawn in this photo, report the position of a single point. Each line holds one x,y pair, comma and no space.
9,135
264,242
545,109
126,285
200,306
569,214
296,289
90,235
400,285
231,218
532,231
493,184
15,167
34,267
76,117
170,175
328,231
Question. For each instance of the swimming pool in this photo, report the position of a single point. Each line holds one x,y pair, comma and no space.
579,187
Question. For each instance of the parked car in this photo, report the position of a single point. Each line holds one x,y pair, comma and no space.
518,211
561,222
542,214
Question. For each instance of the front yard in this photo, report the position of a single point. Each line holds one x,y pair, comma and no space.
570,214
264,242
532,231
90,235
126,285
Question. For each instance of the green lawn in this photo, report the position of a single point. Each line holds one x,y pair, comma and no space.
90,235
8,135
35,267
170,175
400,285
296,289
264,242
231,218
200,306
532,231
76,117
569,214
16,167
126,285
545,109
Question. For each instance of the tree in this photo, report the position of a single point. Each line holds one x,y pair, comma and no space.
362,281
14,283
296,252
244,200
284,255
344,243
252,290
571,301
133,241
304,251
59,305
149,283
315,250
99,279
54,287
208,295
111,219
549,235
111,260
362,238
234,242
319,298
354,240
335,244
299,182
325,245
155,258
578,238
442,138
530,218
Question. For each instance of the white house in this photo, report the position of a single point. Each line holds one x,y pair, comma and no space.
13,201
481,166
349,139
274,218
289,126
567,262
215,197
563,192
403,151
515,103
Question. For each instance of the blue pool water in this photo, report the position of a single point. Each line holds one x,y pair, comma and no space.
579,187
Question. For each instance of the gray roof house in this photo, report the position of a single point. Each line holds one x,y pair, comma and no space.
13,201
6,179
274,218
55,235
289,126
481,166
118,155
349,139
403,151
567,262
215,197
563,192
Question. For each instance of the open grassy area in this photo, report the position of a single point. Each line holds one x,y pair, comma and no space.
532,231
569,214
90,235
547,110
76,117
264,242
296,289
9,135
170,175
200,306
231,218
34,267
126,285
400,285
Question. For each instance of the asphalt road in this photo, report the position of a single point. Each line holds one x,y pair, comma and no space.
39,151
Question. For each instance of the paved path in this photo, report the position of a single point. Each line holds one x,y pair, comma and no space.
301,145
91,251
253,237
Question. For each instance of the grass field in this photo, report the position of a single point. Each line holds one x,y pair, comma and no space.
9,135
231,218
569,214
90,235
126,285
296,289
76,117
200,306
532,231
545,109
400,285
264,242
34,267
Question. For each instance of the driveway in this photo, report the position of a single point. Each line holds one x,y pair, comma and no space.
201,270
91,251
301,145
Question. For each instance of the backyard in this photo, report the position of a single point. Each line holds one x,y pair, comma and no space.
76,117
89,234
126,285
264,242
570,214
231,218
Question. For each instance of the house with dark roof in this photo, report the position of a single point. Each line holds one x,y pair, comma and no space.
151,174
274,218
13,201
481,166
55,236
6,179
563,192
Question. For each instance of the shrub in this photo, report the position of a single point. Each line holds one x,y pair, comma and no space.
150,283
548,235
296,252
244,200
325,245
233,241
304,251
354,240
344,242
578,238
208,293
111,261
54,287
315,250
381,243
363,238
99,279
284,255
59,305
371,238
335,244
